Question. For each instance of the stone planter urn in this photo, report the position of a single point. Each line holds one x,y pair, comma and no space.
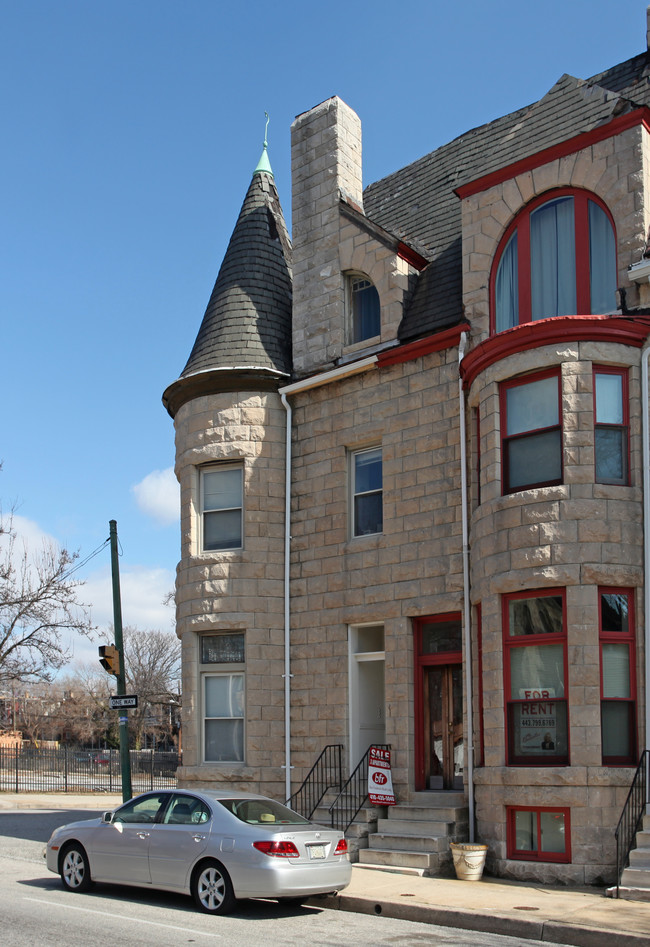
469,860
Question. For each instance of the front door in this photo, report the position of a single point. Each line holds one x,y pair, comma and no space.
443,726
440,748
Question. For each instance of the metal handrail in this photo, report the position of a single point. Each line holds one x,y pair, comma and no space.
353,794
326,773
632,816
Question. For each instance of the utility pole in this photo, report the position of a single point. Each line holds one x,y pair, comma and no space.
125,761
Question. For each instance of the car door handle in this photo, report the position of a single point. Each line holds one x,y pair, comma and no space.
143,834
198,838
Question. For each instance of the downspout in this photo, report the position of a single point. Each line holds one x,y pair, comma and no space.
467,616
287,609
646,548
315,381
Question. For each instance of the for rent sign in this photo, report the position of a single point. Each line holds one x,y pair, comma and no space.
538,720
380,780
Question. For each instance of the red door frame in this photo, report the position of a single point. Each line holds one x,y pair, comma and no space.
423,661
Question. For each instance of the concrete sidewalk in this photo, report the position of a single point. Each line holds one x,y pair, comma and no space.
583,917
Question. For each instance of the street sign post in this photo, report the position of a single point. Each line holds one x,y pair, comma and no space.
116,703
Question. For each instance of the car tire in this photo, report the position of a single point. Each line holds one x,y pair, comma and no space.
75,868
212,889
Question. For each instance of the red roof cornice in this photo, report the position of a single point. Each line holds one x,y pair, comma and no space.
639,116
623,330
431,343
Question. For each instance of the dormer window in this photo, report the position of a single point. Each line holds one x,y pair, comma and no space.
557,258
363,309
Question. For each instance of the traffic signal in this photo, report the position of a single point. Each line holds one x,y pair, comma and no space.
109,658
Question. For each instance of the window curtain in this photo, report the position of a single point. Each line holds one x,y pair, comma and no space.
553,260
507,288
602,261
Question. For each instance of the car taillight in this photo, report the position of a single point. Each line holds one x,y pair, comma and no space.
281,849
341,848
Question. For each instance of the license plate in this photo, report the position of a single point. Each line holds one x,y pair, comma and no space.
316,851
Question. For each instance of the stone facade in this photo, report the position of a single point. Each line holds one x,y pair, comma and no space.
433,403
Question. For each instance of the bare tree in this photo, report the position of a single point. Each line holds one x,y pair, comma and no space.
38,607
152,671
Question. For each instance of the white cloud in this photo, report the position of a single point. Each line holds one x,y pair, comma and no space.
157,495
142,594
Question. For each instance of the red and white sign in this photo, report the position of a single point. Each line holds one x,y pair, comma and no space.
380,780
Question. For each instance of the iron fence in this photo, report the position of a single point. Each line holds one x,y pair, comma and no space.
70,769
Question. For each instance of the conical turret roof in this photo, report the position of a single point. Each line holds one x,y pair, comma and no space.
245,336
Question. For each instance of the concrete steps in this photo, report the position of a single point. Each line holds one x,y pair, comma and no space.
415,838
635,880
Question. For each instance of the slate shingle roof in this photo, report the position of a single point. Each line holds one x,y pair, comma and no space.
247,323
418,203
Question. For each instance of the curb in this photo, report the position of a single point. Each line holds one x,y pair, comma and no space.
554,932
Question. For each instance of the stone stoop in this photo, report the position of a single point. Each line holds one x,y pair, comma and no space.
635,880
416,837
357,833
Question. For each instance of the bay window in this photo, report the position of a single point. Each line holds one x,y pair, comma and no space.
535,678
531,453
611,422
617,653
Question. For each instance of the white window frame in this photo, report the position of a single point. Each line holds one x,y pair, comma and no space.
210,671
356,494
203,473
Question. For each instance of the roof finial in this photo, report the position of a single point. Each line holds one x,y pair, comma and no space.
264,164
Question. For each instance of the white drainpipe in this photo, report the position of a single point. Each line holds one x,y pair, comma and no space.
646,545
467,615
316,381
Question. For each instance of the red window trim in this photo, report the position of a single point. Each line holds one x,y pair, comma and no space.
479,642
621,637
624,373
511,641
422,661
521,224
512,852
506,438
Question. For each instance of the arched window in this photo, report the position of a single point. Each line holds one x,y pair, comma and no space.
557,258
363,309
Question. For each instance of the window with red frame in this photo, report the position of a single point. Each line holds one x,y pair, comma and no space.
539,834
611,423
531,423
617,653
557,258
535,678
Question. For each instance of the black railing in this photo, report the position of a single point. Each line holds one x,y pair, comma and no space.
632,816
326,773
353,794
69,769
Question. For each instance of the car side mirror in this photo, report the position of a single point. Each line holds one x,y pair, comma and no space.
107,817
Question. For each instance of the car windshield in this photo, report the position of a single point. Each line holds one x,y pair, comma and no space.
262,812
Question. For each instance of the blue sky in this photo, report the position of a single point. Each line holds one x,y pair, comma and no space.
130,132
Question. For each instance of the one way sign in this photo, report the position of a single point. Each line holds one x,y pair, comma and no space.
116,703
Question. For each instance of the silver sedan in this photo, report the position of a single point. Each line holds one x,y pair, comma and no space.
216,846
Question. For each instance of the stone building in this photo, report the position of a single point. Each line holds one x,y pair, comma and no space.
410,444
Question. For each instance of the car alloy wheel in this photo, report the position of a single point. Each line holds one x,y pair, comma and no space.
75,870
212,889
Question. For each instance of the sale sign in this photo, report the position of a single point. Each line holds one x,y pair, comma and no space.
380,780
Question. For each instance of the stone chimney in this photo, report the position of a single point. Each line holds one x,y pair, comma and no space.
325,165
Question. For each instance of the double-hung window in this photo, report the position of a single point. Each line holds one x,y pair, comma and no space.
222,490
364,310
618,704
611,423
535,678
367,491
531,432
223,678
557,258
